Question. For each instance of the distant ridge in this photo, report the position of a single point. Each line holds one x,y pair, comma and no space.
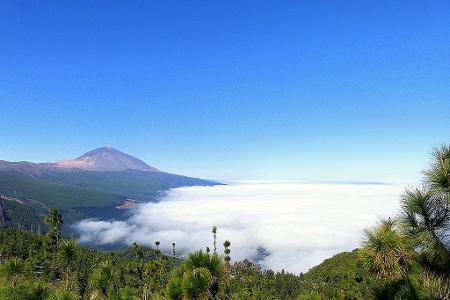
106,159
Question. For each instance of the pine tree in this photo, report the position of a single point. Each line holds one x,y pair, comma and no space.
227,251
400,251
173,251
214,231
55,221
66,257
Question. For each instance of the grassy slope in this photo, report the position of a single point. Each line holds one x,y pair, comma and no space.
51,194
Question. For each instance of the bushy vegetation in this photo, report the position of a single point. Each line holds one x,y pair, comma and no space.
47,266
62,269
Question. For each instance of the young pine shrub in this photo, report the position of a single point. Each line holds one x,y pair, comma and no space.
214,231
195,284
67,256
103,280
227,252
198,277
173,251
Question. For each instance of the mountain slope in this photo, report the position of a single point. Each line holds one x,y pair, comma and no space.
48,194
139,185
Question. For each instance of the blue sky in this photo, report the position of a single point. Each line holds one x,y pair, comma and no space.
229,89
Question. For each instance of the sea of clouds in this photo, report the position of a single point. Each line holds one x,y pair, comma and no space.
297,224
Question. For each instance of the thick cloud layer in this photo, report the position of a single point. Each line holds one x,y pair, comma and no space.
299,225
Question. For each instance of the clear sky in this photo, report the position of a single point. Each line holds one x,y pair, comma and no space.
229,89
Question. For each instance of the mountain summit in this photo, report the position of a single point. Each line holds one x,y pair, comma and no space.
106,159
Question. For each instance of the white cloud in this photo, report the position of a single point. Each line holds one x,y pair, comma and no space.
299,224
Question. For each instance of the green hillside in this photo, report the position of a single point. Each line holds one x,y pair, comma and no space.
140,185
51,194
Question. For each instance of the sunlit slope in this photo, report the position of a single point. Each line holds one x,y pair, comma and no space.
51,194
63,189
139,185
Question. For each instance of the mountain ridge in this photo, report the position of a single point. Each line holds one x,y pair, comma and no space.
106,159
100,159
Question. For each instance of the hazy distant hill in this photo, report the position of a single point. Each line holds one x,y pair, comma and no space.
89,186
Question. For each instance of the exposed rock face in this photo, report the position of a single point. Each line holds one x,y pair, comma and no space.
129,204
106,159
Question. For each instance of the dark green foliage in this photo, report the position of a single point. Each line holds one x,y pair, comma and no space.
227,251
14,243
438,174
387,253
196,284
411,255
140,271
75,271
55,222
342,275
246,280
39,291
197,277
67,256
23,217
